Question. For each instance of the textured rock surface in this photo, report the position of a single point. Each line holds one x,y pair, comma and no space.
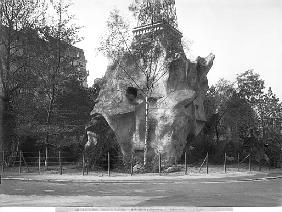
176,102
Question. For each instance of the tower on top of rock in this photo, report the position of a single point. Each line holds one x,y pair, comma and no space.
155,16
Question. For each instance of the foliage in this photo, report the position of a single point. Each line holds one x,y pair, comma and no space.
154,11
269,111
18,20
41,75
250,86
217,96
106,143
116,40
235,113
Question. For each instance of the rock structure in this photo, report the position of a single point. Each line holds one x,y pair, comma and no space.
174,85
176,108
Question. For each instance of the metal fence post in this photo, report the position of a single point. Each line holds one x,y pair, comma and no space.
238,161
207,163
83,164
3,162
46,158
224,166
185,163
131,165
160,163
20,167
60,163
2,171
87,166
109,165
250,157
260,164
39,162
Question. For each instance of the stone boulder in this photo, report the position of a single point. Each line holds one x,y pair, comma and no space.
175,102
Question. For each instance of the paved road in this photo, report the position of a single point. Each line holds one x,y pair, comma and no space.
228,193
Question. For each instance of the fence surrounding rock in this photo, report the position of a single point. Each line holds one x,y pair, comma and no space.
59,163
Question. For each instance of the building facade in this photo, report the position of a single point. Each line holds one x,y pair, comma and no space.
21,44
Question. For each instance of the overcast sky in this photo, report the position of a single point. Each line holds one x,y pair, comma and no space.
243,34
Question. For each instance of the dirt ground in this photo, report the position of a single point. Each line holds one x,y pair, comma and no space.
72,173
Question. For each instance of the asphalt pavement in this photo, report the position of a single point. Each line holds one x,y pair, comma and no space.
226,192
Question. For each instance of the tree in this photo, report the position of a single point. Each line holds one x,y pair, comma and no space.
18,19
250,86
55,63
266,105
38,61
269,127
116,39
239,118
267,109
154,11
75,115
270,116
216,103
229,118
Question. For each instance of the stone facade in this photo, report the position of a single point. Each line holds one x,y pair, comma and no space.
76,54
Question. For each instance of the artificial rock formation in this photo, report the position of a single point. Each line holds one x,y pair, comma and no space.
176,99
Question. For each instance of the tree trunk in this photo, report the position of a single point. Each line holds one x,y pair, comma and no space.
1,96
53,92
48,122
217,134
1,108
146,131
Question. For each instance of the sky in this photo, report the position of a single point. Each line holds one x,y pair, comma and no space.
243,35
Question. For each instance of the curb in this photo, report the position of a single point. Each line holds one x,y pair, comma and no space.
139,181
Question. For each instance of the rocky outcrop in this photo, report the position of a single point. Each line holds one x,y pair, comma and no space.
175,101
